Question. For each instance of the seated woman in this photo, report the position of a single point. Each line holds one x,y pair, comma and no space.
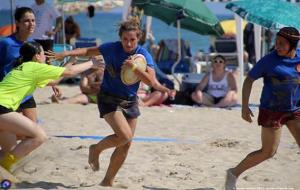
90,82
218,88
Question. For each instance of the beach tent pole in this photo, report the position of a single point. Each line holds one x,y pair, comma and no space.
12,5
240,49
63,25
257,37
148,26
179,52
126,8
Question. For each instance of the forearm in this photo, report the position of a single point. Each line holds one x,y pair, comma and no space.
55,82
158,86
76,52
154,83
144,77
246,91
203,83
76,69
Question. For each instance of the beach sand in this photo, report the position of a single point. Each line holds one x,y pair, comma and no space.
179,148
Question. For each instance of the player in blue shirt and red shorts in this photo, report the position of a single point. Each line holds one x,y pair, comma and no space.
279,102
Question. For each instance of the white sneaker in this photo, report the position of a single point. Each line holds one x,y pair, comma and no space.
230,183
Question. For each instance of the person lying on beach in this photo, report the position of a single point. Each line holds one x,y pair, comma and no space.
218,88
89,86
279,102
148,97
151,97
29,72
117,100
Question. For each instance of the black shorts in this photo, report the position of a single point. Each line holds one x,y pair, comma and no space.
108,103
4,110
30,103
217,99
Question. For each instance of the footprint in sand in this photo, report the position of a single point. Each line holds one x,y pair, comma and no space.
79,147
225,143
29,170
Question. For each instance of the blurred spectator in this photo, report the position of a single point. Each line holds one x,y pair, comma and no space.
45,17
249,42
72,29
218,88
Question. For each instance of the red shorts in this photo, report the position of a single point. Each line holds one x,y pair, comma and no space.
271,119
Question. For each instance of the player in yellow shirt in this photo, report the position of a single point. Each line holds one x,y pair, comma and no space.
29,73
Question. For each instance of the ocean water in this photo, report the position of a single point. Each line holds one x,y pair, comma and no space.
104,26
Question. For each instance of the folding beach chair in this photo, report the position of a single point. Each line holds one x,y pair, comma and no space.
167,56
86,42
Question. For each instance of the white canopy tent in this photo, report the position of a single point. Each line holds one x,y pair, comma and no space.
240,43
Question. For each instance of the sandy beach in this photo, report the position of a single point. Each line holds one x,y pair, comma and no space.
175,148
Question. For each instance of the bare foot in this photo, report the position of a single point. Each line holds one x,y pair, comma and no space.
93,158
2,153
54,99
106,183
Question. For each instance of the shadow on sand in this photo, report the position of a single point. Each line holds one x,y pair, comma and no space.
161,188
43,185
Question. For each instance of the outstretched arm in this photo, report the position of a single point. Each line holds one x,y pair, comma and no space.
74,70
92,51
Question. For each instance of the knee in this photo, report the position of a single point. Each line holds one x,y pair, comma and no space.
127,145
126,138
268,153
41,137
196,95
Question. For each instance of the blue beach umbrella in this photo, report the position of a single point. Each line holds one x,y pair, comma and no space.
272,14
